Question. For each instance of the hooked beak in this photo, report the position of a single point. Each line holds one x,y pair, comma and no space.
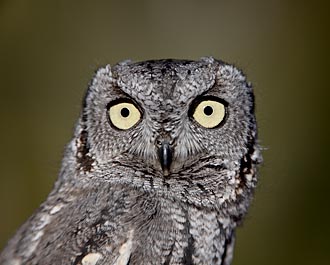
165,157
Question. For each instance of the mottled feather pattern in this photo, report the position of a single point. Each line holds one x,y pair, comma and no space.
165,191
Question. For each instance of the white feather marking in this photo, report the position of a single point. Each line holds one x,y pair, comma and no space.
91,259
56,208
125,250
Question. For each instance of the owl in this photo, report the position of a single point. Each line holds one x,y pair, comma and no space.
161,170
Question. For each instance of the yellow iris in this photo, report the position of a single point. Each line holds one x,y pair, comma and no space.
209,113
124,115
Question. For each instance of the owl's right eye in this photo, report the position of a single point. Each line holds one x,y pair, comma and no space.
124,115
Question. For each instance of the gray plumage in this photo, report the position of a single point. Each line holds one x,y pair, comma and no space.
166,190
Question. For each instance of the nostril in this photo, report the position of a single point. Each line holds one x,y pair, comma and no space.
158,142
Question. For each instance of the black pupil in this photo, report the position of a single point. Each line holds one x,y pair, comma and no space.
208,110
124,112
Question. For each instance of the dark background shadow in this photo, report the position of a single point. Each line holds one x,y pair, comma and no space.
50,49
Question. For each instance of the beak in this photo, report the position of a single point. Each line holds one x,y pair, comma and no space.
165,157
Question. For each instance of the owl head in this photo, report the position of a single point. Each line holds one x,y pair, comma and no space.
185,127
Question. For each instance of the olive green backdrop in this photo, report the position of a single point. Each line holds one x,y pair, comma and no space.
50,49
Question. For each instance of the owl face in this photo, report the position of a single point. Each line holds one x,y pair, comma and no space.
166,116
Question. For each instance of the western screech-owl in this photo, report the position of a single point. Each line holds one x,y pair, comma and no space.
161,170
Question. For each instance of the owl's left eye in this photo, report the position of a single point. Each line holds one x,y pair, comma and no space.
124,115
209,112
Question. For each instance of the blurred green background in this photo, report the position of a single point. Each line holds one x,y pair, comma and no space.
50,49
